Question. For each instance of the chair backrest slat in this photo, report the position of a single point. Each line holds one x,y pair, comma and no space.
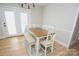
51,37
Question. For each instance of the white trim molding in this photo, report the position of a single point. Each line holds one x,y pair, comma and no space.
61,43
63,37
10,36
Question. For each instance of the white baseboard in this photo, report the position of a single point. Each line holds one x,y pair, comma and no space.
10,36
61,43
63,37
3,37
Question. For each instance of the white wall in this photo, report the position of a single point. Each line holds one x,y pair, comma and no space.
63,17
36,15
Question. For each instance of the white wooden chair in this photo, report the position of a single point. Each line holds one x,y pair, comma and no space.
29,41
49,28
35,25
47,41
29,38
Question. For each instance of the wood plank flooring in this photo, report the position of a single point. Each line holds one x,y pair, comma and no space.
14,46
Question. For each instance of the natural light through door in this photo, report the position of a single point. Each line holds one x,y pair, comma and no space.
10,21
24,21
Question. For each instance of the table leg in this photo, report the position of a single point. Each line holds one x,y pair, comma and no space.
37,47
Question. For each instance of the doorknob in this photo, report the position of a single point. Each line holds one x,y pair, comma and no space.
4,25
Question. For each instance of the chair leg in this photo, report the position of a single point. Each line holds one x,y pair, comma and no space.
30,49
52,49
45,51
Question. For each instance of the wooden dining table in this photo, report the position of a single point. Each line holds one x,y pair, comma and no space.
38,32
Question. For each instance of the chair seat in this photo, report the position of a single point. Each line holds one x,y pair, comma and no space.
29,38
44,43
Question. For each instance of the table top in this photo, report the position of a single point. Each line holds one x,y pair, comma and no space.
39,32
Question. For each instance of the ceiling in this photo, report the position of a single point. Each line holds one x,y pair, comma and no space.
41,4
16,4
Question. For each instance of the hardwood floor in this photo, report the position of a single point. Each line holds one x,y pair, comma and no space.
15,47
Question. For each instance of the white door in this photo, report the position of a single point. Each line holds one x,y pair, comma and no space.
24,21
10,22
